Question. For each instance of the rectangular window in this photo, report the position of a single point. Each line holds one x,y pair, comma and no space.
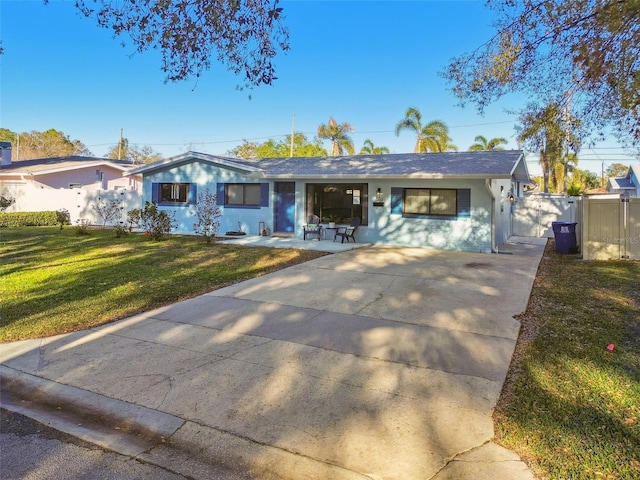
430,201
338,202
174,192
242,194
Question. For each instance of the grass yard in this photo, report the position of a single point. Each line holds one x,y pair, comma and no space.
571,406
56,281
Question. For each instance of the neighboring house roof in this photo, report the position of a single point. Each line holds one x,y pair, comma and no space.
621,183
627,182
486,164
43,166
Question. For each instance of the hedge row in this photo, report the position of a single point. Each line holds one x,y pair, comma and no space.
28,219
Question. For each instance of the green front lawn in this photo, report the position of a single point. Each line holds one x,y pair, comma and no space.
56,281
571,406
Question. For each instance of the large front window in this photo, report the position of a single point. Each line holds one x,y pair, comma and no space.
338,202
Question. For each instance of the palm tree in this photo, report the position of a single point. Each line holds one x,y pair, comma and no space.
412,121
369,149
542,129
337,133
433,137
482,144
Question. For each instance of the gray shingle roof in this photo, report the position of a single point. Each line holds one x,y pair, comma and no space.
39,165
475,164
488,164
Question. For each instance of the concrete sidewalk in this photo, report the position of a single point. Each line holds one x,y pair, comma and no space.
375,363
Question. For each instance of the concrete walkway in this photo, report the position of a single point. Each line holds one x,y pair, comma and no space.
374,363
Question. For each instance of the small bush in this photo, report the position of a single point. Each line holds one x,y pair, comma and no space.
120,230
155,222
208,212
63,217
29,219
82,226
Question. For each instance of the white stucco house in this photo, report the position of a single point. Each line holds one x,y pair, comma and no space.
454,200
628,185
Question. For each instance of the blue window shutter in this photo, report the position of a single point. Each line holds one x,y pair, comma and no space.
464,202
396,200
220,193
264,194
155,192
193,194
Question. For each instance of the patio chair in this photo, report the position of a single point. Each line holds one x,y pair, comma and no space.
312,227
348,232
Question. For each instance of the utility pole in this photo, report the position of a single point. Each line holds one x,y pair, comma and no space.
120,146
293,132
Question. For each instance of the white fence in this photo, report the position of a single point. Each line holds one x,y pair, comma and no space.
611,228
78,202
533,215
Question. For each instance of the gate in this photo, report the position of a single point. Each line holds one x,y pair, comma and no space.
534,215
611,228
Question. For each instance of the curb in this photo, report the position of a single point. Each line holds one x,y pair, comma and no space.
170,442
114,424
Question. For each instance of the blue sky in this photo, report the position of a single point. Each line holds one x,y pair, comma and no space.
361,62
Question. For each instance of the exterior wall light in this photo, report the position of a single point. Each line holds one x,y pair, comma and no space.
379,199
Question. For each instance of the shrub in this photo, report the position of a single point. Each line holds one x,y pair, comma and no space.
28,219
133,218
107,209
63,217
120,230
208,212
82,226
156,222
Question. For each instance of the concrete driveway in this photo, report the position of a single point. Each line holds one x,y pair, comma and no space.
374,363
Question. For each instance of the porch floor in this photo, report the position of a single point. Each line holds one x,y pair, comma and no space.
291,242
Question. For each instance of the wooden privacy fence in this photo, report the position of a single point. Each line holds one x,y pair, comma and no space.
611,228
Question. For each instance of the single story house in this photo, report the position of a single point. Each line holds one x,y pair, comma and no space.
629,185
89,173
453,200
71,183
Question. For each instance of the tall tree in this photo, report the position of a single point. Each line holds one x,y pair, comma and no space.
243,35
337,133
482,144
412,121
544,49
368,148
435,138
543,130
48,144
617,170
143,155
432,137
302,147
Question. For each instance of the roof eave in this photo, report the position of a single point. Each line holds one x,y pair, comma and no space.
190,156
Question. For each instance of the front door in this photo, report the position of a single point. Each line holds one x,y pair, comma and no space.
284,221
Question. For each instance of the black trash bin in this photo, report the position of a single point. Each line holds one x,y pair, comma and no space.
565,236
